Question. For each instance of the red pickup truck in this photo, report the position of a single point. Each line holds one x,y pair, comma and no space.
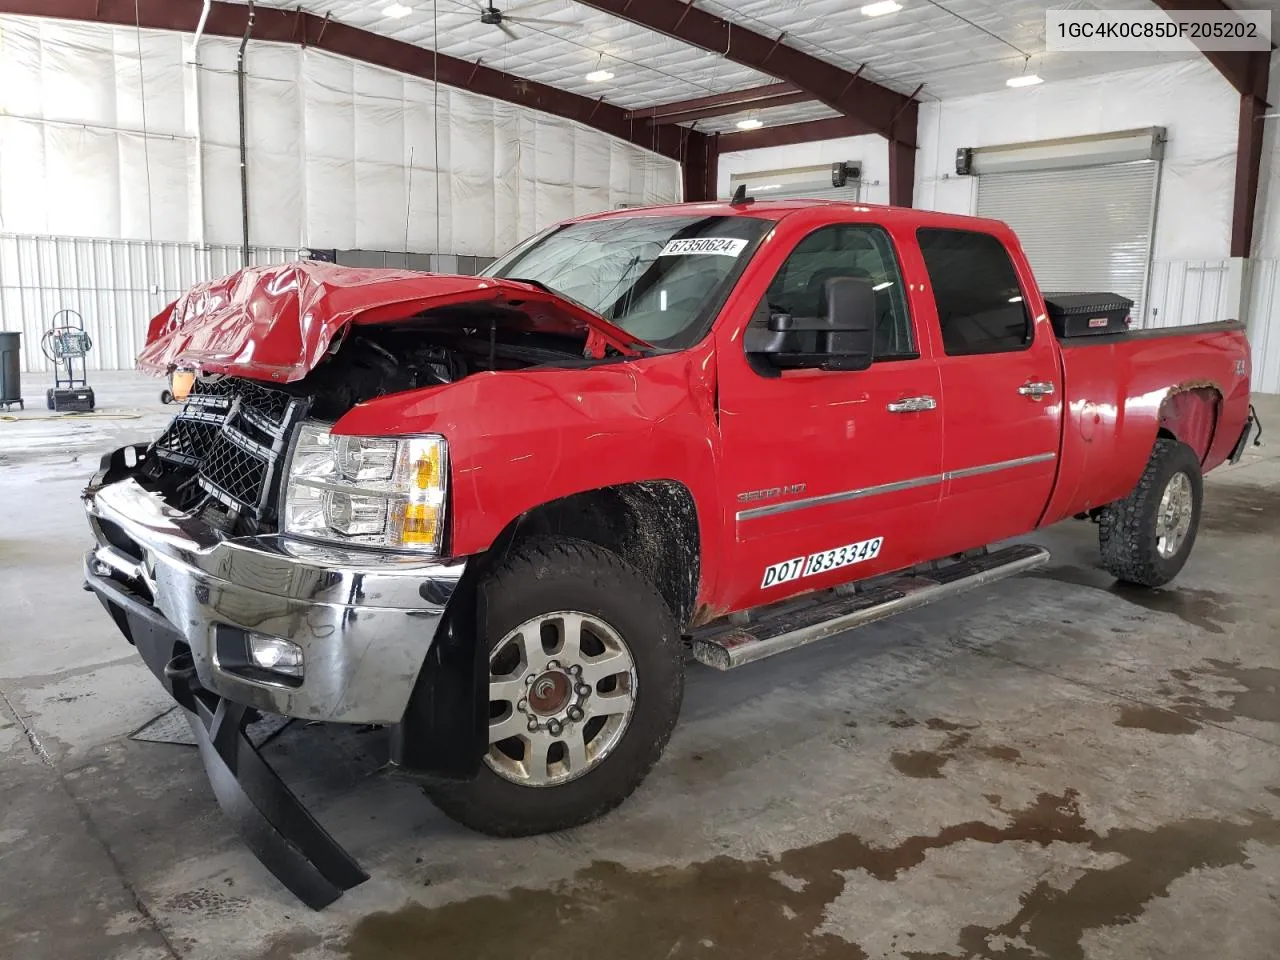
497,514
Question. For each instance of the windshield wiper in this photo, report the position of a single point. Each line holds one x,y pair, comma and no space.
644,348
536,283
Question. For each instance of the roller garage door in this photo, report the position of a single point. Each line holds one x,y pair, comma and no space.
808,182
1084,228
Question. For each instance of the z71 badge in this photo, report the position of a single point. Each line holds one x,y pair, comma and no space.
821,562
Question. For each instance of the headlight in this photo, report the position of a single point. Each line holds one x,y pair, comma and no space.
366,490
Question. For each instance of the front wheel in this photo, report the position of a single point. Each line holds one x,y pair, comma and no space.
586,677
1146,537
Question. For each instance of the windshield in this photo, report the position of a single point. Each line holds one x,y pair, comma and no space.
658,278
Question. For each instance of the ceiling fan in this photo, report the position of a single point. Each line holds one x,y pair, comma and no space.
494,17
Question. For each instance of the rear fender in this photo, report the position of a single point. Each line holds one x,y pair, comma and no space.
1190,414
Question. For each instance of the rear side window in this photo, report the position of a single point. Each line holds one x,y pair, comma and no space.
980,305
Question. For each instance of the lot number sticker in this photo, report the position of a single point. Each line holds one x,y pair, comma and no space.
821,562
720,246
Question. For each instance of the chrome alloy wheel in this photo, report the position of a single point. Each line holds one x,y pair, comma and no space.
1173,518
562,688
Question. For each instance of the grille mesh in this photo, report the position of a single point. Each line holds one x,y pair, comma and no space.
201,436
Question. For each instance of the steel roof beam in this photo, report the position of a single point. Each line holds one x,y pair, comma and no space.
881,110
723,104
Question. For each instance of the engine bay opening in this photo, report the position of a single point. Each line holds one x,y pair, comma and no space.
223,456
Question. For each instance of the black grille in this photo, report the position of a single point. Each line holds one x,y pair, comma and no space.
234,433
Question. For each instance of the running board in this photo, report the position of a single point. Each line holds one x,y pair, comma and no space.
808,619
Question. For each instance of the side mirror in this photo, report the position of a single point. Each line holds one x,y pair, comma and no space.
841,340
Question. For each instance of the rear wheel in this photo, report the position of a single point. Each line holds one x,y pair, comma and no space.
1146,537
585,681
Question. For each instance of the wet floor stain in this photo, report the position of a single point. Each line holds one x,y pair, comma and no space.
1051,920
1207,609
1248,509
929,764
1197,698
921,764
1143,716
776,906
1256,697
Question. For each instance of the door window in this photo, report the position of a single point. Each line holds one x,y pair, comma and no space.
980,304
861,251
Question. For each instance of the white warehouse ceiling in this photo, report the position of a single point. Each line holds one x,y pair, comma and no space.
954,47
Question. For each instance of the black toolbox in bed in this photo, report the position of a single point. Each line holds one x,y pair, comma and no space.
1088,314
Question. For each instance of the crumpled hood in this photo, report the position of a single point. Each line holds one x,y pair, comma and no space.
275,323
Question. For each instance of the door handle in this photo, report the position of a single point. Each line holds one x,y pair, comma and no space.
1037,389
912,405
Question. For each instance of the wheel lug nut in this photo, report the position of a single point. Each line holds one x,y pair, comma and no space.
522,706
582,690
555,728
533,725
553,665
528,681
575,713
575,670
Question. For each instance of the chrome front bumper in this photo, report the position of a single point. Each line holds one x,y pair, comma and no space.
364,620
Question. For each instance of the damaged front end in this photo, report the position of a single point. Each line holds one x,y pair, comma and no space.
262,560
209,614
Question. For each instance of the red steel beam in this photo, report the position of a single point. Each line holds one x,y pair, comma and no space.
292,26
1248,168
788,133
722,104
1248,71
902,174
880,109
902,156
700,168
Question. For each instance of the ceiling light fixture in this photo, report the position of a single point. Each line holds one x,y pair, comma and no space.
599,74
881,8
1024,79
396,10
751,123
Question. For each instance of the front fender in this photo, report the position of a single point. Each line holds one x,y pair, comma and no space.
521,439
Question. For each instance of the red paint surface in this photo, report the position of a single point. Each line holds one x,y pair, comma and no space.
275,323
703,417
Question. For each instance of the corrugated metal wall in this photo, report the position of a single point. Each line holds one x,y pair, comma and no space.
117,286
1197,291
1264,324
1188,291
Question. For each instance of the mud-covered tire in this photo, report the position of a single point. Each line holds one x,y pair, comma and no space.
1129,530
551,574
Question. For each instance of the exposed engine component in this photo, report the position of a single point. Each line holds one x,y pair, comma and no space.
225,452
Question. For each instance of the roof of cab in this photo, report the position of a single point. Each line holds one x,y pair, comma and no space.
777,209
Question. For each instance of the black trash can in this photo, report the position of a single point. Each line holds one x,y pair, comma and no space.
10,367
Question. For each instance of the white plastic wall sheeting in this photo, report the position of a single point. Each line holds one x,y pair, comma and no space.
1266,227
117,286
871,151
329,146
1198,108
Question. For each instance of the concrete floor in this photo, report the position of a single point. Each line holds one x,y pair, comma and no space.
1052,767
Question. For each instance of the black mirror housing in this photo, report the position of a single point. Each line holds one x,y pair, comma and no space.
841,340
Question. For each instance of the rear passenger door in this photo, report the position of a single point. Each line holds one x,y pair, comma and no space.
1001,399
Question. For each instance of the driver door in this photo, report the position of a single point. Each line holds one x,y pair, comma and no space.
829,476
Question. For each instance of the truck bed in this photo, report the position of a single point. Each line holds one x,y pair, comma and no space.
1121,389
